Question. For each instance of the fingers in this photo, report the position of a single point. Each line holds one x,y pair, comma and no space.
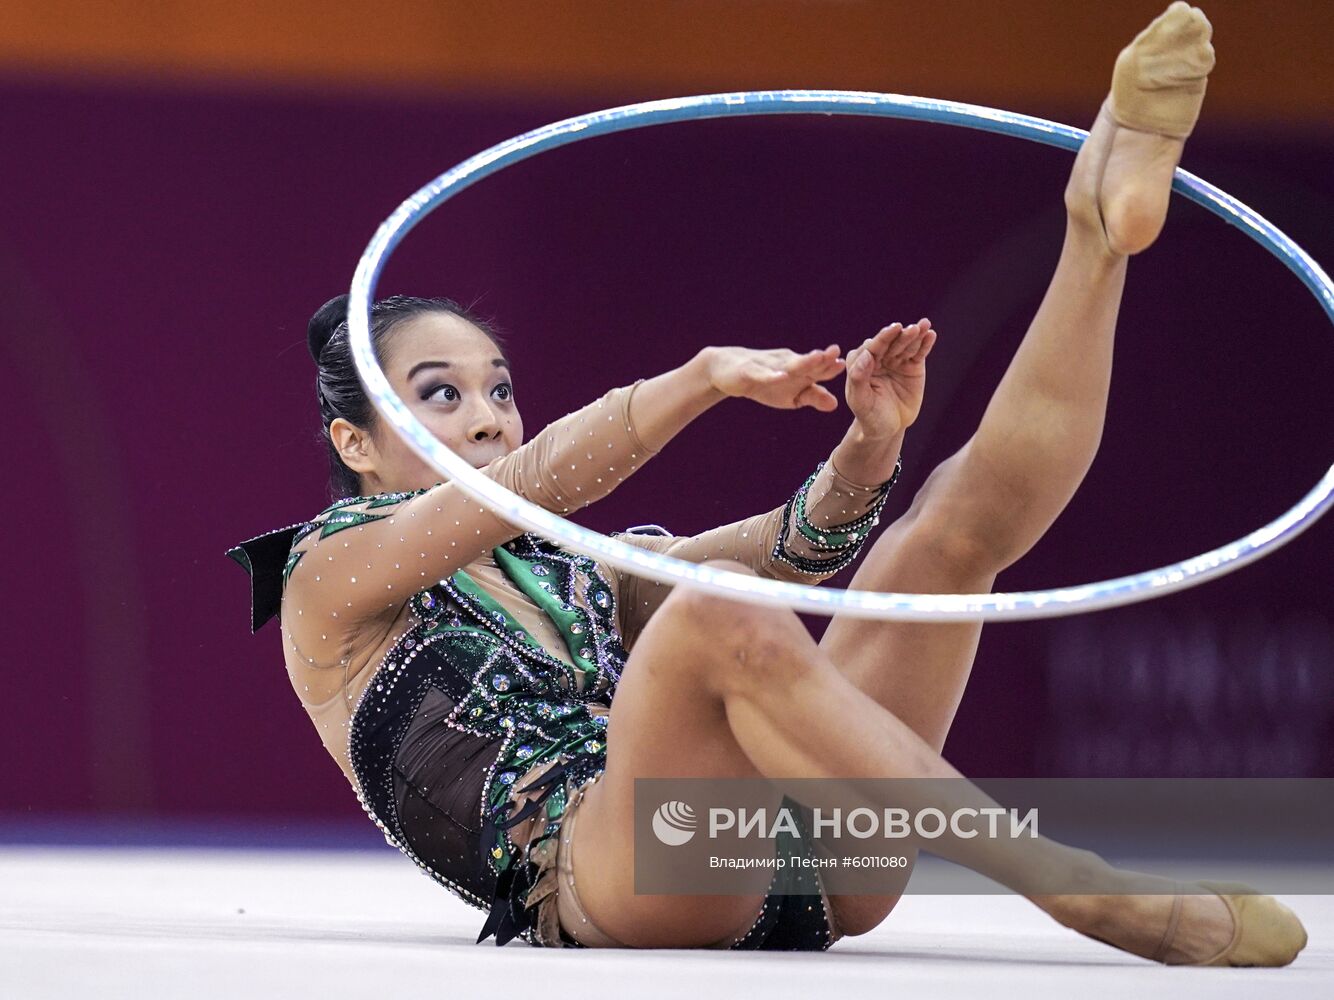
890,341
861,363
924,347
915,349
817,396
784,379
904,345
818,364
880,345
898,344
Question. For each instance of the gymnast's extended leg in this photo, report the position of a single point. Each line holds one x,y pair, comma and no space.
988,504
716,688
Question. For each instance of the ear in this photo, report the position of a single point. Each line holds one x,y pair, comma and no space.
354,446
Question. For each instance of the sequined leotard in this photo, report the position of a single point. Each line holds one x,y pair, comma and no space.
495,654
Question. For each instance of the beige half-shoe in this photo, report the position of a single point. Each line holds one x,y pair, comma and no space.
1159,81
1265,932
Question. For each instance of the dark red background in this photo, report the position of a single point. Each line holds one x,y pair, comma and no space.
161,251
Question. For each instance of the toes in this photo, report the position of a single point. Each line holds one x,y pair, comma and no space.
1194,23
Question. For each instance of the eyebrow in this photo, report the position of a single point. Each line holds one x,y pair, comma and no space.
495,363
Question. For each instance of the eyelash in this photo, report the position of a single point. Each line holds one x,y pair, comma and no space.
509,389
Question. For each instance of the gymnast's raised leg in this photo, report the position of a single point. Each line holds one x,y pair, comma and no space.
716,688
988,504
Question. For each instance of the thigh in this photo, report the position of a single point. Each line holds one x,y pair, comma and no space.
664,723
917,670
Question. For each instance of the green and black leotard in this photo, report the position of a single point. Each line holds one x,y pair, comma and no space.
461,672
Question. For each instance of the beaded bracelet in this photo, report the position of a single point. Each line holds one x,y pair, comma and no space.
840,535
846,542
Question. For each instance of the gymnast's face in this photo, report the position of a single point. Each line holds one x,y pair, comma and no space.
453,379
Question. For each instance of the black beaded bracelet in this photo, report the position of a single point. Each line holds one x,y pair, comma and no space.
845,543
838,536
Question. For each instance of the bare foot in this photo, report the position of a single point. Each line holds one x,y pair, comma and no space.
1157,90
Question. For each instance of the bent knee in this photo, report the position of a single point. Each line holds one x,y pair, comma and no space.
709,614
947,528
697,608
741,639
960,557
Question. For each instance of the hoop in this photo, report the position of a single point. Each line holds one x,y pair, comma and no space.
780,593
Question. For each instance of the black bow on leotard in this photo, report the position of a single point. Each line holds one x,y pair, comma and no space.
264,558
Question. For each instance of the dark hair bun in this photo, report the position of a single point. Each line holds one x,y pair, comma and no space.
326,321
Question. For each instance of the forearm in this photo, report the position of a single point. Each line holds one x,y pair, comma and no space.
812,536
662,406
864,460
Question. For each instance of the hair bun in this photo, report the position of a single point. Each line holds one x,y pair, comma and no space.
326,321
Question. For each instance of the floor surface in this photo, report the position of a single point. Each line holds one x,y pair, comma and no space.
204,923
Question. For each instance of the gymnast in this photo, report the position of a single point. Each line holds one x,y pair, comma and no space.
492,697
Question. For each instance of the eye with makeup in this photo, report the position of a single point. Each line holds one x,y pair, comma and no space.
453,394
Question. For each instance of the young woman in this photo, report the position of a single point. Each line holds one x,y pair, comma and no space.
492,697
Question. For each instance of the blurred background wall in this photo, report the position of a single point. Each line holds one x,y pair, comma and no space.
185,183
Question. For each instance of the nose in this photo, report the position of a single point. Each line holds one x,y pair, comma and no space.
483,424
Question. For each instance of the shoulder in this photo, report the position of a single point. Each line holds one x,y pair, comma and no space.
352,512
360,505
269,558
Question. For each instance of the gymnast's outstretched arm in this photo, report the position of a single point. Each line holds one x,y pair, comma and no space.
347,578
823,525
773,544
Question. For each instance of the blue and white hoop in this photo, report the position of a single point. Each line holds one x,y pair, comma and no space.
800,597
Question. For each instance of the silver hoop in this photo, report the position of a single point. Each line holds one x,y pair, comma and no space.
779,593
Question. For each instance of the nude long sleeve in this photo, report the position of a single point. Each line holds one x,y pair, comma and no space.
360,561
815,534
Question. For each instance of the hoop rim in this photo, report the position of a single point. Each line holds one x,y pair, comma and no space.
780,593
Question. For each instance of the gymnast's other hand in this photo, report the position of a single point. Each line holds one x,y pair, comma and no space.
887,378
779,377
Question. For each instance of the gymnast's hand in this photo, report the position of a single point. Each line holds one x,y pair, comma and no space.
887,377
779,378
